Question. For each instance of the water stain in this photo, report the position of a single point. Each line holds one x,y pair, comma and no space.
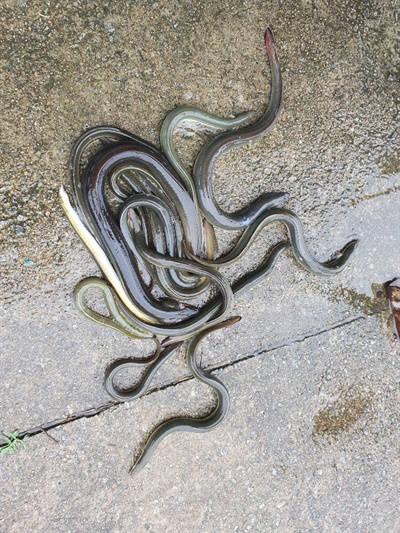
375,305
351,405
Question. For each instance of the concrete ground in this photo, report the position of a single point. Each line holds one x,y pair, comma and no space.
311,443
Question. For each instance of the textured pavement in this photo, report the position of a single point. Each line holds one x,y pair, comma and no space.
311,442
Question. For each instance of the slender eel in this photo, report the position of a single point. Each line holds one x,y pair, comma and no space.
155,362
198,425
297,240
197,115
111,135
101,258
108,232
172,120
204,166
137,180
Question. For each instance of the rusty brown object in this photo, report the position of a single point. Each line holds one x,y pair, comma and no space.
393,292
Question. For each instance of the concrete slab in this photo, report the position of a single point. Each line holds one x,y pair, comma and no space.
311,442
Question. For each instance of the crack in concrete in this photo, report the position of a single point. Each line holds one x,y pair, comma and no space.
272,347
94,411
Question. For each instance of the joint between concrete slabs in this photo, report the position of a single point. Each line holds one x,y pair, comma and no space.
94,411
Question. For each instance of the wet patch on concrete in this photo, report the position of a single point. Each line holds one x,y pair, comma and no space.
361,302
351,405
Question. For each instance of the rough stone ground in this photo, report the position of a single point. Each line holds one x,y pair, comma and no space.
311,442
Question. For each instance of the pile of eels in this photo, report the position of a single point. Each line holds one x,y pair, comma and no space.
149,224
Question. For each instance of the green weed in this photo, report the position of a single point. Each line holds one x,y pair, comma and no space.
13,442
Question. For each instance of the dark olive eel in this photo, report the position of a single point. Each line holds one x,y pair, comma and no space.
297,240
163,239
198,425
204,166
154,362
